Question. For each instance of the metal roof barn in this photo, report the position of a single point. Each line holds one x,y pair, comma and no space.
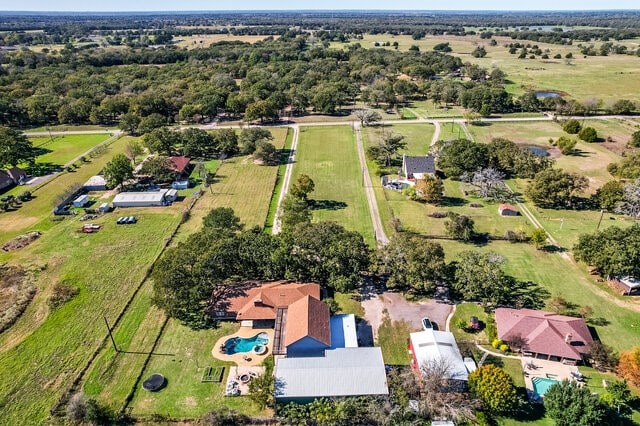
140,199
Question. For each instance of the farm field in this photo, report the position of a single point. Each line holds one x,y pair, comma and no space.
328,155
580,78
242,185
206,40
45,350
61,149
183,355
36,214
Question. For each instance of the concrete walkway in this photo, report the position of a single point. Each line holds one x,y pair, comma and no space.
499,355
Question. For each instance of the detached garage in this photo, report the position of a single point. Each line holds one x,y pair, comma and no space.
140,199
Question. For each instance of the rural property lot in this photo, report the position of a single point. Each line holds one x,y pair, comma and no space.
59,150
328,155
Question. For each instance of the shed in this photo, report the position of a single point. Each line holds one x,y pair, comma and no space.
340,373
180,184
104,208
430,347
507,210
81,201
140,199
95,183
171,195
627,285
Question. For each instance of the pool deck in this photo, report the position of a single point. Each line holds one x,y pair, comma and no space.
235,373
244,358
533,367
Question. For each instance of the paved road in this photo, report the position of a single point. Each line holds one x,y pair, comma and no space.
277,220
378,229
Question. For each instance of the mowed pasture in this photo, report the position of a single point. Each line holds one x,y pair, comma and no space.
329,156
37,213
59,150
45,350
241,184
206,40
580,78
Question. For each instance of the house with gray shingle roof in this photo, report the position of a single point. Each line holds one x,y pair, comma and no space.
416,167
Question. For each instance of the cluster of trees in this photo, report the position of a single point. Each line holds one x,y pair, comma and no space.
15,148
556,189
627,168
613,252
459,157
193,277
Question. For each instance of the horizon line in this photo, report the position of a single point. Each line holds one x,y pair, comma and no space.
482,11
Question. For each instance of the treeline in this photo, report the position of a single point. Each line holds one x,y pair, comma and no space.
102,86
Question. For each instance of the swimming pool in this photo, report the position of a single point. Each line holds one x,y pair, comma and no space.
541,385
237,345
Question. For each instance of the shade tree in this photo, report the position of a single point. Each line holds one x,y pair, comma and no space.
118,170
15,148
555,188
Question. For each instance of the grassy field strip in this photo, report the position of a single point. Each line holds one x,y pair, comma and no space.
328,155
62,149
35,214
286,156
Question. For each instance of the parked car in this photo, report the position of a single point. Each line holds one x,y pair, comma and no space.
426,324
131,219
121,220
474,323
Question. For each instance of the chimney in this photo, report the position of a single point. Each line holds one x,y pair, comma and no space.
567,338
257,302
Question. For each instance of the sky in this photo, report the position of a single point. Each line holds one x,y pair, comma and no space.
219,5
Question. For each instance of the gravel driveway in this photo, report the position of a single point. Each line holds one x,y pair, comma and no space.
402,310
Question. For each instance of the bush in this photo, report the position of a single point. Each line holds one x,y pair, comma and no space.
504,347
25,196
565,144
461,324
496,343
588,134
438,215
635,139
332,304
62,293
571,126
491,330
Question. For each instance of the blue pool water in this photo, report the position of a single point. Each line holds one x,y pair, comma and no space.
543,94
542,385
540,152
236,345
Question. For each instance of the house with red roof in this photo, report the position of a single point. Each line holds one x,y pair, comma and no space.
507,210
545,335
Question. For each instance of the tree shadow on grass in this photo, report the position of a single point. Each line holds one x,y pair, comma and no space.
327,205
42,169
453,202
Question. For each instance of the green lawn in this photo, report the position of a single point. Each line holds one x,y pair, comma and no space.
465,311
36,214
349,303
451,131
428,109
183,355
59,150
393,338
329,156
619,316
44,351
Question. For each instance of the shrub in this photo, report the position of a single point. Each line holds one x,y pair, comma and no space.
461,324
491,330
496,343
62,293
332,304
565,144
504,347
588,134
635,139
438,215
571,126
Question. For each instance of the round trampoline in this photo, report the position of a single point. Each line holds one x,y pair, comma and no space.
154,383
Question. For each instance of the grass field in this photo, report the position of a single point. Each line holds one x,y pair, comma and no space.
206,40
242,185
282,167
63,149
581,78
36,214
44,351
393,339
329,156
184,353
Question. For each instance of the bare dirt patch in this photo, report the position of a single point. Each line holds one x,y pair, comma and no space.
16,292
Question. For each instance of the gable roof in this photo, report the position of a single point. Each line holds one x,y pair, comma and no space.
431,346
262,301
341,372
545,332
421,164
178,164
308,317
505,206
11,176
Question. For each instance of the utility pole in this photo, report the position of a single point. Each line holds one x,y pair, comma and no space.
600,220
110,335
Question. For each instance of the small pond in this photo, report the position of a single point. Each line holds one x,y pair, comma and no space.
540,152
547,94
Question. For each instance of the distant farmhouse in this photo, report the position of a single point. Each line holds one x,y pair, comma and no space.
507,210
546,335
418,167
317,355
